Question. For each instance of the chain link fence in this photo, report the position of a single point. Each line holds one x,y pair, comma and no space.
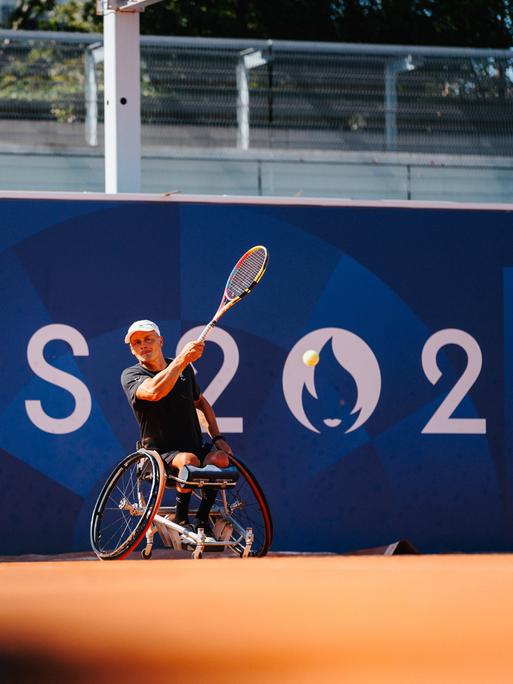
258,94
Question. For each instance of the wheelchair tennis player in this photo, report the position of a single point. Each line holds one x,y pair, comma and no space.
164,395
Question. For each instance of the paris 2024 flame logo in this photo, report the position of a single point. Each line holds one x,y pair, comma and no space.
348,385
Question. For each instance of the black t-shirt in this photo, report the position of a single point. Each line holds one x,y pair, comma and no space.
171,423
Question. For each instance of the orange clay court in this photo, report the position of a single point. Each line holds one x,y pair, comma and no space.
282,618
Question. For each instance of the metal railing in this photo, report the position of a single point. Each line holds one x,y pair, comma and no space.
266,94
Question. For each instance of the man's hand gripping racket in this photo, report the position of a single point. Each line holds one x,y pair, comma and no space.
245,275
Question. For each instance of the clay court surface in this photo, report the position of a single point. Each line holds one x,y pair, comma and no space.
283,618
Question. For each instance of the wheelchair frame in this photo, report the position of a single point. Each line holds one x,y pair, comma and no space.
130,508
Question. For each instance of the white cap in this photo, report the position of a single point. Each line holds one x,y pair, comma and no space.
142,326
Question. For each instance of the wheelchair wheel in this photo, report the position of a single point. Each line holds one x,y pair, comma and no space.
242,507
127,504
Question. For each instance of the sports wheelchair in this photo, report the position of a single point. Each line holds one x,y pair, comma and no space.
132,505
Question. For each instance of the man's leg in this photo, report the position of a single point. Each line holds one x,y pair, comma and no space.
219,459
183,494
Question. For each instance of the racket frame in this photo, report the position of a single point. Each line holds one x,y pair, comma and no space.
226,302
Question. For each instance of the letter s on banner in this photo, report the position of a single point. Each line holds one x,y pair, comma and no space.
37,362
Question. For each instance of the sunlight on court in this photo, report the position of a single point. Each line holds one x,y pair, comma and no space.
281,618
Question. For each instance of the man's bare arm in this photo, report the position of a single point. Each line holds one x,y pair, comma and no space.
213,428
154,389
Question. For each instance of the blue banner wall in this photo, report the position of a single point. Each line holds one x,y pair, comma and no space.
403,429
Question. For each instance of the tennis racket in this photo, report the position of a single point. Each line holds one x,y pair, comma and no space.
245,275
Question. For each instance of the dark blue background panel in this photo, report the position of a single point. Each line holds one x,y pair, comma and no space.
387,437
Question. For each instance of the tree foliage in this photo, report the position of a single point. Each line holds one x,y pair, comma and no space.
472,23
51,15
287,19
468,23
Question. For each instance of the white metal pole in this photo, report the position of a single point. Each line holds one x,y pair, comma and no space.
248,59
393,68
122,102
242,106
391,107
91,104
92,55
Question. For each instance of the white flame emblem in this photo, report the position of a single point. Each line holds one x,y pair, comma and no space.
353,354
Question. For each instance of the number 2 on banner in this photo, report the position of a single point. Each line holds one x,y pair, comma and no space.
442,421
224,375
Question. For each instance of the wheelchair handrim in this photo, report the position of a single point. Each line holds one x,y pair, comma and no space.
152,505
262,502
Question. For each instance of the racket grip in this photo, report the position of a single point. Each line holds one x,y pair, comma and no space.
206,330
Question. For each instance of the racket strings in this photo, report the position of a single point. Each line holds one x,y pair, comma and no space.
246,273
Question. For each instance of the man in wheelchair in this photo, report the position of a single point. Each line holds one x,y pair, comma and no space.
164,395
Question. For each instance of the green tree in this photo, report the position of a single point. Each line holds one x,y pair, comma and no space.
477,23
384,21
50,15
472,23
225,18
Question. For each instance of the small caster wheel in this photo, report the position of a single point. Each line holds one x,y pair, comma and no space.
146,554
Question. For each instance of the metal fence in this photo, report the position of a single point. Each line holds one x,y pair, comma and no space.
280,95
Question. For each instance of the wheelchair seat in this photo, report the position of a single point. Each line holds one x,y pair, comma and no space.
209,475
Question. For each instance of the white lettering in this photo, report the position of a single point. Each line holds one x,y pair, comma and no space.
442,422
37,362
224,375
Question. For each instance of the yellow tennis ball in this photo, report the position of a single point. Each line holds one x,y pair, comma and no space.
310,358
